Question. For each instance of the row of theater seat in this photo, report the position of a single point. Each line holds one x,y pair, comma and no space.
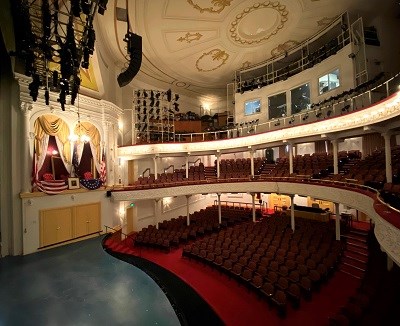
176,231
272,260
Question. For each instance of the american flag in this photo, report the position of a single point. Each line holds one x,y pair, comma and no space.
103,170
75,162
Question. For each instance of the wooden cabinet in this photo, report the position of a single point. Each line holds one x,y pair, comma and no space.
55,226
67,223
87,219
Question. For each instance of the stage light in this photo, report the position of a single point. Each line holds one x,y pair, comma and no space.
102,6
47,96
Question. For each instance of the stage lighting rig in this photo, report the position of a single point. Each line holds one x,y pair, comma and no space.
55,38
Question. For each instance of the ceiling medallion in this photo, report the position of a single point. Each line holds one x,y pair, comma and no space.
217,6
325,21
180,84
208,59
190,37
261,33
282,48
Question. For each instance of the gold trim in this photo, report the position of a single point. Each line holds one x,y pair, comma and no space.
217,55
281,9
190,37
219,3
282,48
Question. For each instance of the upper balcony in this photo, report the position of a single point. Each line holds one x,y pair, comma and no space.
354,109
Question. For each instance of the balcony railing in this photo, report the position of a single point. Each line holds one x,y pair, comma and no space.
329,108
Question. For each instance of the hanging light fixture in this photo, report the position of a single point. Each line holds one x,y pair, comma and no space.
81,136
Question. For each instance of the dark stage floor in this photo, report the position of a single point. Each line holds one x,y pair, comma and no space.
79,284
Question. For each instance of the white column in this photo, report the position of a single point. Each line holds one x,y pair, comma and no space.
292,221
218,160
27,158
156,212
388,157
337,221
253,205
252,161
290,158
335,156
187,210
187,166
155,159
219,209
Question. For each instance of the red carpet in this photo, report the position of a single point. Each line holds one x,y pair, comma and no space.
237,305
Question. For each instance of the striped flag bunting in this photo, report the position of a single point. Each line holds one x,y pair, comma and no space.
52,187
91,184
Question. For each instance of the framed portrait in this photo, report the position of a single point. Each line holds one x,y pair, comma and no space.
73,183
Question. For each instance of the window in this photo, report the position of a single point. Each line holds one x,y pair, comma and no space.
252,107
328,82
300,98
277,106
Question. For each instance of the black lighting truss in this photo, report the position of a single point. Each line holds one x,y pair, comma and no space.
54,38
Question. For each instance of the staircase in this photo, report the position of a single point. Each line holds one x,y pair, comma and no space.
355,256
267,169
209,173
124,246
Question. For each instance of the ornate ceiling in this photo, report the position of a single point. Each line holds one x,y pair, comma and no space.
194,46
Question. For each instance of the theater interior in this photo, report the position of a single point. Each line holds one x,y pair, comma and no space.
125,125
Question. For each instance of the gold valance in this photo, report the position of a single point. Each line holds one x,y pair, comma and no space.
52,126
86,128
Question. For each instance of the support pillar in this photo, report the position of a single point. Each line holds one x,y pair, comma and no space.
157,212
292,221
187,165
26,157
155,159
388,158
337,221
219,209
335,156
188,210
290,158
253,206
252,161
218,161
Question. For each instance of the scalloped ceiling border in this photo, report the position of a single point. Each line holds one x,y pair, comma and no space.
219,3
276,5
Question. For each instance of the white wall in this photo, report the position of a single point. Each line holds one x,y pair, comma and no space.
311,75
305,148
349,144
31,208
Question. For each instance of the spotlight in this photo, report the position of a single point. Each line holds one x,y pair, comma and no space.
34,87
169,95
102,6
47,96
55,78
